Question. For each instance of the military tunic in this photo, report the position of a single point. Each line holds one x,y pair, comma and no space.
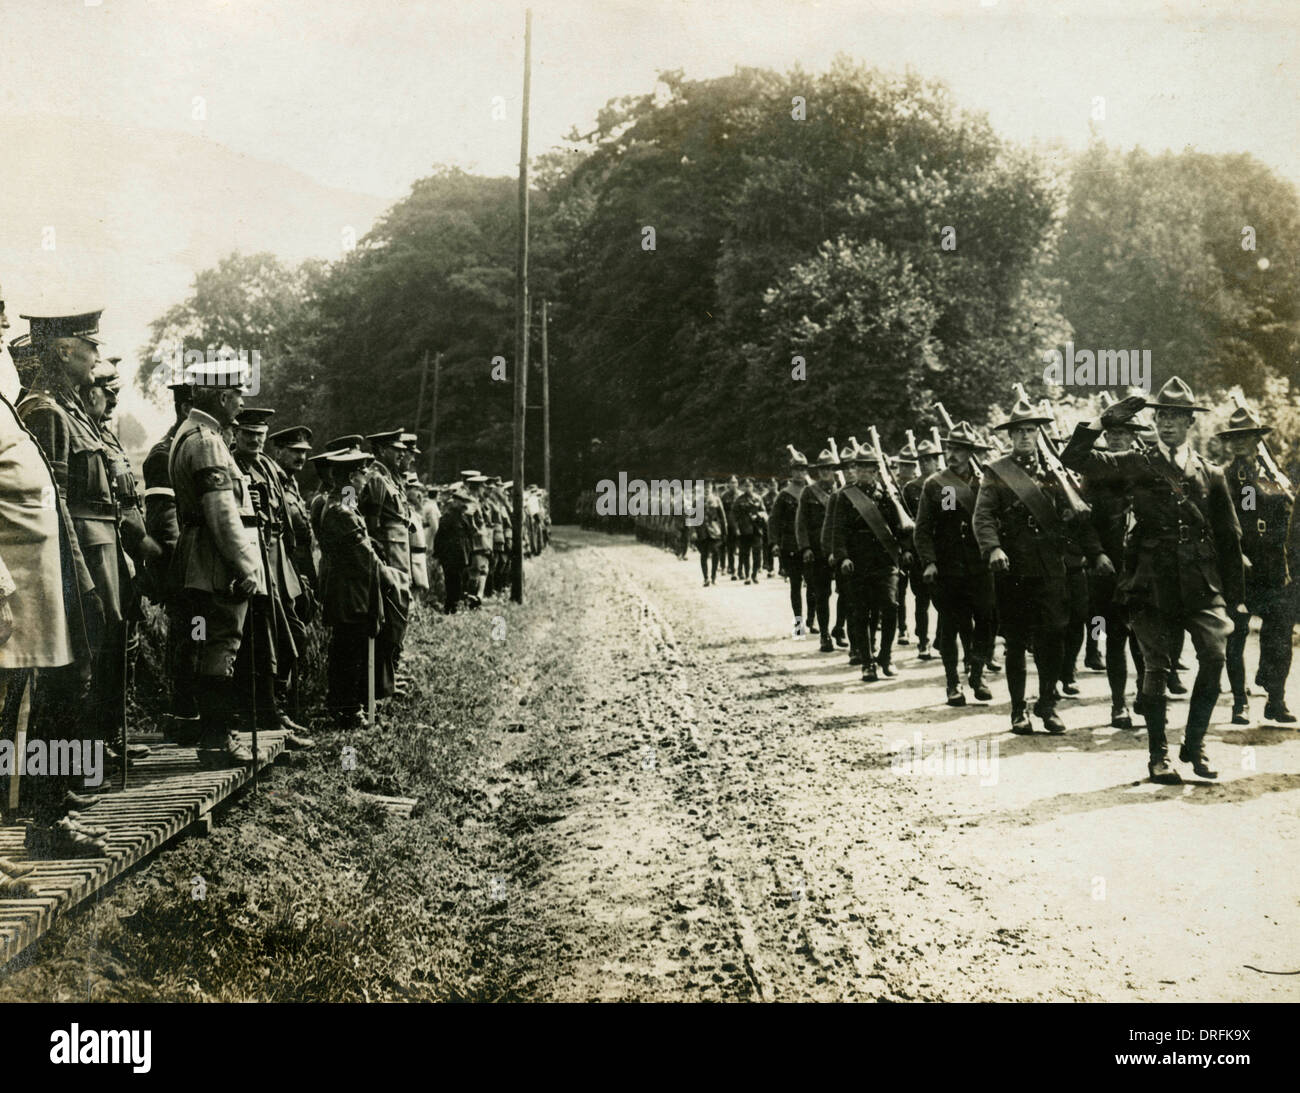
809,519
352,603
1182,567
963,587
1267,517
387,514
218,544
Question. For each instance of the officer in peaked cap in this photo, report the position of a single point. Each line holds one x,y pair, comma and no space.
23,352
353,581
57,416
1269,531
415,497
43,577
289,448
387,514
810,517
217,567
1184,567
951,565
347,443
281,634
481,522
163,526
781,527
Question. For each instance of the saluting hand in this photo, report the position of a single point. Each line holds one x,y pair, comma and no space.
1122,410
998,560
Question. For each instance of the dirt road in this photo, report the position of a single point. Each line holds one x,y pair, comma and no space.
737,824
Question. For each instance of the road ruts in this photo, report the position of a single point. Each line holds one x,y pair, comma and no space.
740,831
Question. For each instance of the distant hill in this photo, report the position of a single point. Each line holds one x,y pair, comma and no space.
137,212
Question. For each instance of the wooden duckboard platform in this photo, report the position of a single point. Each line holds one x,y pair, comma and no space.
165,794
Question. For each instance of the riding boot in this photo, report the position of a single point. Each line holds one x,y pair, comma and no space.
1158,768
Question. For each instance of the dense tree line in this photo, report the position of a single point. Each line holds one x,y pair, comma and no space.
739,262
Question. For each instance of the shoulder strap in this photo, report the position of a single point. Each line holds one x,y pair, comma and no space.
965,495
870,513
1171,476
792,490
815,489
1028,493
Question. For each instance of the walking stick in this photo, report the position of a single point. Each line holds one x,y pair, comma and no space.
252,661
125,740
370,680
26,682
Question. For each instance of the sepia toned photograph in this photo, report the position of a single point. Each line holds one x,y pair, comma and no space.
650,501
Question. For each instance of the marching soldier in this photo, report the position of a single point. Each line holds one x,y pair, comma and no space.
217,567
785,511
1020,524
867,547
281,634
387,514
748,512
728,498
353,583
1266,511
928,455
952,564
711,534
1185,558
809,519
1110,516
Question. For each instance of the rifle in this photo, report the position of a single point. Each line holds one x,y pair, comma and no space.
1047,451
946,418
891,487
1265,454
835,451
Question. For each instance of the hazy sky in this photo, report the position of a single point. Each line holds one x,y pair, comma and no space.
368,94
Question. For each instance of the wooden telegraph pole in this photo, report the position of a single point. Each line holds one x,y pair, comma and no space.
433,412
521,327
419,401
546,410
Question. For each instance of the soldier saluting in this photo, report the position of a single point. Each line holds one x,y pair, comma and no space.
1184,558
1265,507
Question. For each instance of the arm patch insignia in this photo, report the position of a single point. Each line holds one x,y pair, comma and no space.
212,478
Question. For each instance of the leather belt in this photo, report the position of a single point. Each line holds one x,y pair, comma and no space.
89,510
